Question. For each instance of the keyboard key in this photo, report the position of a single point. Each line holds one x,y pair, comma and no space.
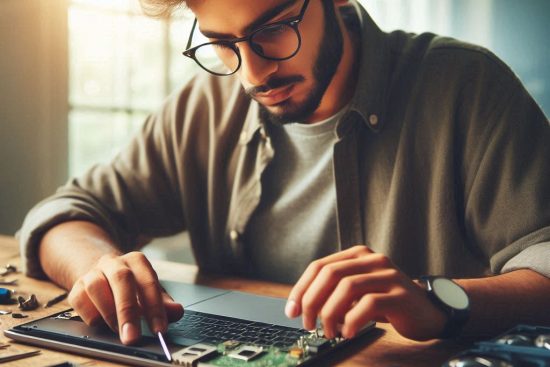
216,329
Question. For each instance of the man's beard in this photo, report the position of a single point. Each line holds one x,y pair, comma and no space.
326,64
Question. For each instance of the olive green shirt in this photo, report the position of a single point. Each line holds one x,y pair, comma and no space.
442,162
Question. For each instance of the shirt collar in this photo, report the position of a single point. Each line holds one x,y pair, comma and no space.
370,98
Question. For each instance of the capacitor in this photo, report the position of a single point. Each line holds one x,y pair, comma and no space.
296,352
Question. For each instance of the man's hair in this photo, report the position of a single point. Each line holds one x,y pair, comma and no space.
160,8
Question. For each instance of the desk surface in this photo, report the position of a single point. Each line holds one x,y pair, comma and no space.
383,348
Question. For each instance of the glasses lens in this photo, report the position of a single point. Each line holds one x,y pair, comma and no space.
279,41
218,58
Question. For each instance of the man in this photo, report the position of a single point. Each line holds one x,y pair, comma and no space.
325,153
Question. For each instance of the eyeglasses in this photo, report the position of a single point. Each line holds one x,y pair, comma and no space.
276,41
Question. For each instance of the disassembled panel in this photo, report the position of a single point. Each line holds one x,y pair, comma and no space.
233,353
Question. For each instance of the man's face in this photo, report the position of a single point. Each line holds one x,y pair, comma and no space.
289,90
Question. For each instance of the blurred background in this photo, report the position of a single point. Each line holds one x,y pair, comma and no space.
78,77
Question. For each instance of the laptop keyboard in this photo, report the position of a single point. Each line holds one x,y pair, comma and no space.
215,329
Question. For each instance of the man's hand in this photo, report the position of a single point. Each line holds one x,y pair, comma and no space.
349,288
120,289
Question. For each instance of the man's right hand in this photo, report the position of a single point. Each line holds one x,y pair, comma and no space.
118,290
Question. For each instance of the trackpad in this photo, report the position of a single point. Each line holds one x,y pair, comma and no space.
247,306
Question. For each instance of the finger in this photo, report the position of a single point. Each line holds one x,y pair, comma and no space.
351,289
293,306
81,303
350,253
149,291
174,310
372,306
330,276
99,292
123,285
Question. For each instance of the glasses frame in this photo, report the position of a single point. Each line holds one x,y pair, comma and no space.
292,22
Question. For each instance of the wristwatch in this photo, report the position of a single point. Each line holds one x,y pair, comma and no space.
451,299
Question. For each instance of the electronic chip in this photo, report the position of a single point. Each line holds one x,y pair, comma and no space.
246,352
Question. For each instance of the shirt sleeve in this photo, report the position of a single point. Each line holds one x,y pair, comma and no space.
535,257
507,174
135,195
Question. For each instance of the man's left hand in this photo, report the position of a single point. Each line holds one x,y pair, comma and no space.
349,288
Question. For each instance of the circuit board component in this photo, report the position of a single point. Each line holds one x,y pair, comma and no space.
246,352
236,353
190,356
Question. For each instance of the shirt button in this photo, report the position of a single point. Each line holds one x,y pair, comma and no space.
373,119
234,235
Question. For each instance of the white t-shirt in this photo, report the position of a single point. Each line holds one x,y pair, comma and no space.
295,222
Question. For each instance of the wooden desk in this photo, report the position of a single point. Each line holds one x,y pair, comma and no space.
382,348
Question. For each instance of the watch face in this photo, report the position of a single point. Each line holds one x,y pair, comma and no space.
450,293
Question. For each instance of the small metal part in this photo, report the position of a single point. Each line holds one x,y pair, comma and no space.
64,316
475,361
190,356
516,339
17,354
68,315
316,345
9,282
19,315
231,344
246,352
56,300
4,312
301,342
28,304
543,341
318,332
8,269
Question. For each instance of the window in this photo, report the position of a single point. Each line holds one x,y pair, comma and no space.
516,31
444,17
122,65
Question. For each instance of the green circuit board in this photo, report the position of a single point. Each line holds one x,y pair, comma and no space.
236,354
269,358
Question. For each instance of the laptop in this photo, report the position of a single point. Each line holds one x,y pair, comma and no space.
219,328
